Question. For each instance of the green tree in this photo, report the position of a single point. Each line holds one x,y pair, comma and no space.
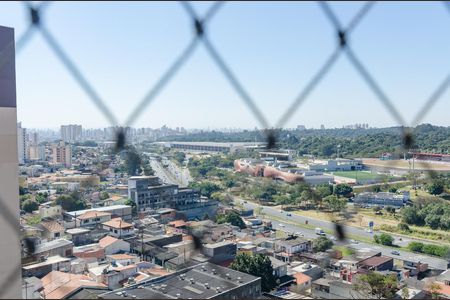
335,203
436,187
132,161
41,197
231,217
147,169
322,243
377,285
206,188
410,215
257,265
29,206
324,190
179,157
343,189
403,227
70,202
415,246
104,195
132,204
383,239
22,191
405,293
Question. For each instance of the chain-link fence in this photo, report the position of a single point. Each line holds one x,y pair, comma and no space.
201,38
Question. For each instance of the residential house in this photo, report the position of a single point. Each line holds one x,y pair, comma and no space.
42,268
112,245
291,246
119,228
92,218
79,236
60,285
93,251
61,247
50,211
52,229
220,252
123,259
377,263
31,288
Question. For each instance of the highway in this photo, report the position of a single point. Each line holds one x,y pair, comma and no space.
275,215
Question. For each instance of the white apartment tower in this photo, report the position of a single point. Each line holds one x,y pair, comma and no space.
71,133
62,154
22,145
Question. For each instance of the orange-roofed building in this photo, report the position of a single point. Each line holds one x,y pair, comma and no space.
92,218
118,228
60,285
112,245
303,281
123,259
52,229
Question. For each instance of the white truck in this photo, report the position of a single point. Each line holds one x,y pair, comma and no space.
319,231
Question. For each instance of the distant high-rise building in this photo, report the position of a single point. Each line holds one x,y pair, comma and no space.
322,127
62,154
33,138
301,127
37,152
22,143
71,133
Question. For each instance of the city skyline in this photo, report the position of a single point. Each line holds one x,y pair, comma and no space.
273,65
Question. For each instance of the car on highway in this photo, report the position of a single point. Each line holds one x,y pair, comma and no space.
299,234
395,252
353,241
288,214
333,238
281,225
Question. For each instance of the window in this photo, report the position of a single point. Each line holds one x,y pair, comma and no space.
57,234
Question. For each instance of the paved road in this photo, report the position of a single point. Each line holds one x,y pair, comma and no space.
310,233
325,224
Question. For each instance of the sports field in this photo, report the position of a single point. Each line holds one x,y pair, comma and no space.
404,164
360,175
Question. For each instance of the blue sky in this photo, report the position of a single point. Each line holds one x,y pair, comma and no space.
273,48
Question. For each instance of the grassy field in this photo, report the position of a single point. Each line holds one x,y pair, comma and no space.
361,175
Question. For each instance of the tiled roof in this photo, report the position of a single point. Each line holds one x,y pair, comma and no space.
52,226
106,241
121,256
93,214
375,261
177,223
301,278
58,285
118,223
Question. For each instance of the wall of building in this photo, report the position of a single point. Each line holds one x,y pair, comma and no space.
116,247
9,189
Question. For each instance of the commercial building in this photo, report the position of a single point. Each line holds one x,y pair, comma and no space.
123,211
71,133
382,199
211,146
62,154
334,165
202,281
277,155
149,195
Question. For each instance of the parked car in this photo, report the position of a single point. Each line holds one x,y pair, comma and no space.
395,252
281,225
288,214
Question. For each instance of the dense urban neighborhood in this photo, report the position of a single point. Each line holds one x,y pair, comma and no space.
169,218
